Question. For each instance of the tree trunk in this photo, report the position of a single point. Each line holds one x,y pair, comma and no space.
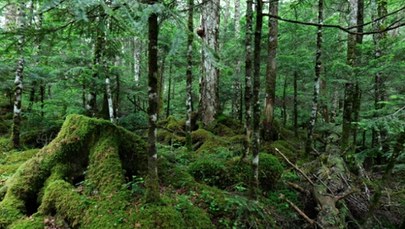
18,82
271,70
189,74
91,106
348,109
255,100
137,60
295,104
32,96
379,79
169,91
237,18
309,146
109,99
152,181
284,102
209,103
248,78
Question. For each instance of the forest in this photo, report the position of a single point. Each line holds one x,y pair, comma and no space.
202,114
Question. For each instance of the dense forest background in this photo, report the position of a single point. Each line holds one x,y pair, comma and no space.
202,114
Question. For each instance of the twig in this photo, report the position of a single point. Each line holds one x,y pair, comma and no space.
345,194
297,187
299,211
294,166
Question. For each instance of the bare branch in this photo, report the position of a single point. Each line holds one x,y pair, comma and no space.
294,166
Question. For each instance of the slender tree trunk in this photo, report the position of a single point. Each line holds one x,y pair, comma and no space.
348,109
106,68
42,97
18,82
237,18
357,89
271,70
255,99
284,102
117,95
109,99
91,106
237,102
347,116
189,73
335,104
169,91
209,85
137,60
161,73
379,81
248,78
32,96
295,104
309,146
153,182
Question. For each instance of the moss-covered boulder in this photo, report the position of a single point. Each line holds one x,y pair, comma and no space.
78,177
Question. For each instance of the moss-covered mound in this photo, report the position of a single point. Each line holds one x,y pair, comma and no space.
77,178
230,173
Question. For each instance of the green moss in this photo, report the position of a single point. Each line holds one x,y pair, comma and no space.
33,222
210,171
61,198
5,145
94,149
10,161
285,147
227,173
270,171
155,216
10,210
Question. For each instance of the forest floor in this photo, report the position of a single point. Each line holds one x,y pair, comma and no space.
92,175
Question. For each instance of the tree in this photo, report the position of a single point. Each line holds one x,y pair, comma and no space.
152,183
189,73
248,77
19,75
318,67
255,99
271,70
209,101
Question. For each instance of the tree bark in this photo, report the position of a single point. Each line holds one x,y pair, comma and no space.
237,18
309,146
137,60
169,91
152,181
285,102
379,79
295,104
91,105
189,73
18,82
255,100
271,70
248,78
348,108
209,103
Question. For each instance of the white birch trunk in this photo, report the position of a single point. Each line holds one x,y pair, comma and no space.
18,82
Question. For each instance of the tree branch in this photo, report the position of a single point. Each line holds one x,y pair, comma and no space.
346,29
294,166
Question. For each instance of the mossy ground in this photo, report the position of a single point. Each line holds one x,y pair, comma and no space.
92,176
